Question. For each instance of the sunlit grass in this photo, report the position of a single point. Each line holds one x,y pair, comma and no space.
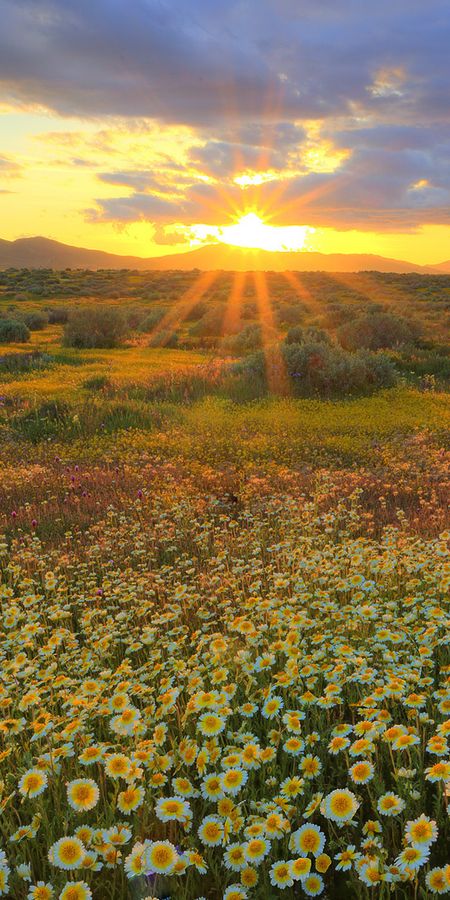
125,366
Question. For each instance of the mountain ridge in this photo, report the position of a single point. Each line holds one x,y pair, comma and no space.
41,252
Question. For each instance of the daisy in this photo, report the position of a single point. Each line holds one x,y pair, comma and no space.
347,857
76,890
280,874
117,765
234,857
235,892
82,794
300,867
308,839
390,805
211,724
412,858
256,849
340,806
438,881
310,766
313,885
233,780
323,863
161,857
421,832
67,853
211,831
130,799
41,891
33,783
211,787
362,772
272,706
172,809
439,772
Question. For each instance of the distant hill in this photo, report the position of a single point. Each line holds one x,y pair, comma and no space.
40,252
443,267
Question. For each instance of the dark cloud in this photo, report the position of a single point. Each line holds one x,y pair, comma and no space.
205,62
138,207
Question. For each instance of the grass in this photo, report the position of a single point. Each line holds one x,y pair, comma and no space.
70,369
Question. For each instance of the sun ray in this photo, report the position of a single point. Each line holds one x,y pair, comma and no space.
232,315
306,296
276,372
176,315
372,289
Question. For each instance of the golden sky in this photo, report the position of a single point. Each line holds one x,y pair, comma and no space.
137,136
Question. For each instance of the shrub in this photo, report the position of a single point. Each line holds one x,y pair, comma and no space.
246,341
290,315
57,315
210,325
95,326
318,369
13,332
152,319
309,335
164,338
134,316
197,312
24,362
35,321
377,330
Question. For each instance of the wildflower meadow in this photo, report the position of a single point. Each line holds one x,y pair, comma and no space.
224,627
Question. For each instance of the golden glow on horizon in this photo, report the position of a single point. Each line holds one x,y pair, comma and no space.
54,188
251,232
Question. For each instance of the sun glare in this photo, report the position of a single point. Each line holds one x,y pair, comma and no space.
252,232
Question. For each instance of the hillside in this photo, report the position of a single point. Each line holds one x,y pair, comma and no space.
40,252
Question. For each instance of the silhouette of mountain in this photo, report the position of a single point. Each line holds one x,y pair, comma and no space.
40,252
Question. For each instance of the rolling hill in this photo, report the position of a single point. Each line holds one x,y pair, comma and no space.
40,252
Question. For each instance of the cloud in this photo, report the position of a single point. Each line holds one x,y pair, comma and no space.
375,189
343,103
9,168
207,62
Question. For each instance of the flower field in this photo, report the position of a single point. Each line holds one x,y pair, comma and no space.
224,680
224,615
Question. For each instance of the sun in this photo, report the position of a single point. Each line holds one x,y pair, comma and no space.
250,231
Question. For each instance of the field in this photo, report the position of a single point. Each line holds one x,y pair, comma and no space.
224,582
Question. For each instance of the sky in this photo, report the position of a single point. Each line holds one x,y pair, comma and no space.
153,126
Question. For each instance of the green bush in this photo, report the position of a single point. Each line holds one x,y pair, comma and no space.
309,335
13,332
134,316
197,312
24,362
164,338
290,315
210,325
95,326
57,315
318,369
35,321
245,341
376,330
152,319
